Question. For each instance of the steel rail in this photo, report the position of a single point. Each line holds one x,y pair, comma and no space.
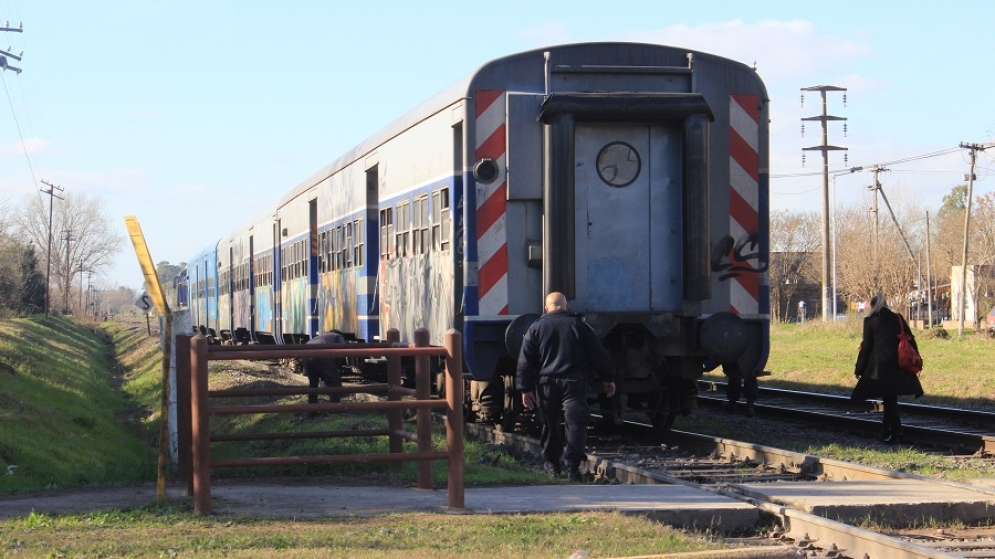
855,415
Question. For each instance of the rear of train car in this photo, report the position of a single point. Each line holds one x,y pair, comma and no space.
630,177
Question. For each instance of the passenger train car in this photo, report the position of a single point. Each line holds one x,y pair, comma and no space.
631,177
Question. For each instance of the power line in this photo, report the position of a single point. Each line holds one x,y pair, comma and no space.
861,168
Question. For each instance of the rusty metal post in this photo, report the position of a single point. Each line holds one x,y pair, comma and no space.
395,418
184,465
423,392
454,417
200,426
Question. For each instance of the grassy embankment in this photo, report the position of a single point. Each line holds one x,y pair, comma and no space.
64,422
76,413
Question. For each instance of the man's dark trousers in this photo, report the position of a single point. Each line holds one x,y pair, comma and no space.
559,399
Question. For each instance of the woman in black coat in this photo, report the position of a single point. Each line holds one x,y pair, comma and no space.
877,371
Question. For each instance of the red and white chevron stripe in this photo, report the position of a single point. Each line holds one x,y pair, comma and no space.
744,178
492,244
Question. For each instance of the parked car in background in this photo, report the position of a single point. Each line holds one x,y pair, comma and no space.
990,323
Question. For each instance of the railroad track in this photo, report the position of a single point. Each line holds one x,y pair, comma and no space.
959,430
639,454
722,466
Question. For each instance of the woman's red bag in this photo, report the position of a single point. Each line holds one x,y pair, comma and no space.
909,359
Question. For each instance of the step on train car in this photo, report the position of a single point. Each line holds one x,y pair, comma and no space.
631,177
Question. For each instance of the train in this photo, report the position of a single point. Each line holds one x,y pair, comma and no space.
631,177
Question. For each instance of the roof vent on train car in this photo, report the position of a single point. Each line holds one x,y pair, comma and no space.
485,170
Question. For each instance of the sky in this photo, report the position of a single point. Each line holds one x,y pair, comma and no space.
194,115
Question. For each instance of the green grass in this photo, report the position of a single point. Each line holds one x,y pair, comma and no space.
167,532
820,357
63,421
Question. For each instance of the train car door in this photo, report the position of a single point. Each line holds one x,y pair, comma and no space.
628,217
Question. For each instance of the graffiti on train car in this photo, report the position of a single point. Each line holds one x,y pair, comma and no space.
338,307
412,297
734,258
294,306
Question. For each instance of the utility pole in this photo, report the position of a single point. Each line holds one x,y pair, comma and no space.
975,148
48,274
825,148
929,275
4,54
82,309
875,188
67,235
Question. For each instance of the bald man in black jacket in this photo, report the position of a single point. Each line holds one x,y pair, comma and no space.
560,354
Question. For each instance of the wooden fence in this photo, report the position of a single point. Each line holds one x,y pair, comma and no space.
194,409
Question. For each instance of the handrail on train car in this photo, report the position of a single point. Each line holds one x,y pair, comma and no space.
194,410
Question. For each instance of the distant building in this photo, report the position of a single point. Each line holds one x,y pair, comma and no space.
790,285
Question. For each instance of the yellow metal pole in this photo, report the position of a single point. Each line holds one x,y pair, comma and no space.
159,300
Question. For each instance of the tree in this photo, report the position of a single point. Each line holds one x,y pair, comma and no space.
888,263
794,237
32,296
83,239
22,286
118,300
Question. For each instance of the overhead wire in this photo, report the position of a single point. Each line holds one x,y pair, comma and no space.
858,168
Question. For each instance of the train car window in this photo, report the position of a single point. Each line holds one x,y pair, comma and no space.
300,259
420,234
402,226
305,253
327,249
357,252
332,249
347,249
386,233
295,271
340,255
440,220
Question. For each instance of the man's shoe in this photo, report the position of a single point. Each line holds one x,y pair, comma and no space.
750,411
575,476
551,468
